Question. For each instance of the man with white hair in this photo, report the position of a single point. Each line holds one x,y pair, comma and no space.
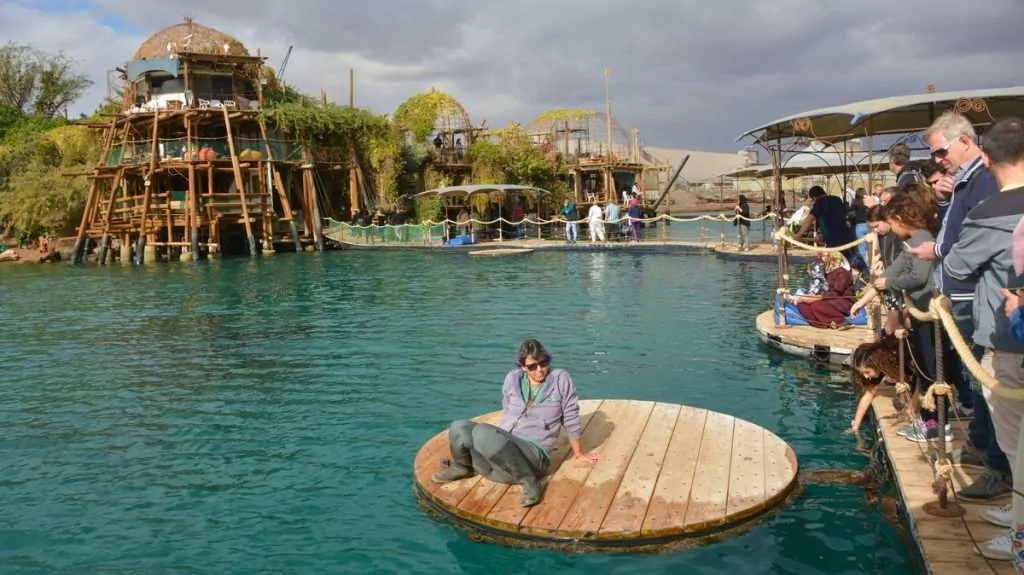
967,183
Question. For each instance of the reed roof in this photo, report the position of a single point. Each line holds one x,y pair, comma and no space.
189,37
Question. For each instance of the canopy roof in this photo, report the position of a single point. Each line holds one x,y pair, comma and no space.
820,160
896,115
481,188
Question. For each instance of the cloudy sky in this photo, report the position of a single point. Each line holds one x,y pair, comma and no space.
687,73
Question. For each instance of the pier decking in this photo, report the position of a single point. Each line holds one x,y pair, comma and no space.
671,472
945,544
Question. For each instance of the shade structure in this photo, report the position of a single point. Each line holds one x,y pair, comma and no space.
895,115
481,188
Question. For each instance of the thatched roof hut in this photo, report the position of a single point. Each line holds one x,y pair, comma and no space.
189,37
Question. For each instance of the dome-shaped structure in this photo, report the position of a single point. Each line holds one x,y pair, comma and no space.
434,113
587,132
189,37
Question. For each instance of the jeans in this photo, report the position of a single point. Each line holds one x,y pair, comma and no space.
571,231
981,432
861,231
744,236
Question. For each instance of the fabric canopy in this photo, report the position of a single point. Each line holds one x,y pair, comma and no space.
896,115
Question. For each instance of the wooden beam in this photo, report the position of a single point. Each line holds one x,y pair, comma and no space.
282,193
140,247
239,183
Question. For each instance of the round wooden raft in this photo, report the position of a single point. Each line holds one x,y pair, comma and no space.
830,345
501,252
670,472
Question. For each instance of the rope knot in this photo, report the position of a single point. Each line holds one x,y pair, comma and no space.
936,389
900,333
902,388
942,474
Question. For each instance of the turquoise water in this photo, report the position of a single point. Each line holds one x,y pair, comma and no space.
261,416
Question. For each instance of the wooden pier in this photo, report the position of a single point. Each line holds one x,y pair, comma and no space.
945,544
671,473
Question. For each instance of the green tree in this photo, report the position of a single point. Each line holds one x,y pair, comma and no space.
37,82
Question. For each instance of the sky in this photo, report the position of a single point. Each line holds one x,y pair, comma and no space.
687,73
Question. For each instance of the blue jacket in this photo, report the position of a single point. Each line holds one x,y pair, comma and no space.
974,186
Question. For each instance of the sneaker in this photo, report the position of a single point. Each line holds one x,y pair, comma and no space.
932,433
914,425
985,488
999,548
1001,516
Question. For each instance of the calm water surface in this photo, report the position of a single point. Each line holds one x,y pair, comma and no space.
262,416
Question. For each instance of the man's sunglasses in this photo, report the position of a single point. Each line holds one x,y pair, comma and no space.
944,150
534,366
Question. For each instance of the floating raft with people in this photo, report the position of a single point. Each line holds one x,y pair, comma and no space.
671,473
820,344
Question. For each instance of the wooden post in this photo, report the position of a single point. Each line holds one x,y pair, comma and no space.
239,184
140,246
286,203
193,212
214,239
353,175
265,210
314,204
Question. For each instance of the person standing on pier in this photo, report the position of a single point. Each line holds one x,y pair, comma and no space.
571,225
967,183
595,221
829,212
983,251
742,222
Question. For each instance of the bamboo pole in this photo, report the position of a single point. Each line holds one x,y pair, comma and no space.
240,185
118,177
140,245
91,199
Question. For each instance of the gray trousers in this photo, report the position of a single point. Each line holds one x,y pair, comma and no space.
744,236
486,444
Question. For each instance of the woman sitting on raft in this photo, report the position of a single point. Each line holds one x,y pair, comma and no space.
536,403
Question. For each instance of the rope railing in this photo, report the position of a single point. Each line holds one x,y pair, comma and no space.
941,310
785,235
541,222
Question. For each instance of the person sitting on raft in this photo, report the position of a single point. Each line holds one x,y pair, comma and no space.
828,301
536,403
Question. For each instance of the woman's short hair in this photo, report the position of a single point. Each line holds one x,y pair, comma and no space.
532,348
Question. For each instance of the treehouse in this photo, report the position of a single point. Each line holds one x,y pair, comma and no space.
600,158
191,165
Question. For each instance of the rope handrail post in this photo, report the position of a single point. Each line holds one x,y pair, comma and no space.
783,258
938,396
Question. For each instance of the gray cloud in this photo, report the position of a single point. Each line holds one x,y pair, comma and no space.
688,73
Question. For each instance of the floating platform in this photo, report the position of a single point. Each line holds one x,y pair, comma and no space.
820,344
671,474
943,545
651,246
502,252
762,253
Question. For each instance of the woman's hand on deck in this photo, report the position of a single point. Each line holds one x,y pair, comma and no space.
589,457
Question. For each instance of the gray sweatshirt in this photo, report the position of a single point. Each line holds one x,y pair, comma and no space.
556,406
912,273
983,251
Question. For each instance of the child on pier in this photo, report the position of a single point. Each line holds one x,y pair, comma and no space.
874,363
889,246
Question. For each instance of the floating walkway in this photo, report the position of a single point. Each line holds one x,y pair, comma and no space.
502,252
825,345
671,473
760,252
945,545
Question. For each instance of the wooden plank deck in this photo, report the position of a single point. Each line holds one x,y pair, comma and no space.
945,543
670,472
830,345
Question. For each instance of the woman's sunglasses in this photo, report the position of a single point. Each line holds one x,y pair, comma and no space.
534,366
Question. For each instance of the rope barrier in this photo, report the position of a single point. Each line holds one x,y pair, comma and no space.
785,235
539,222
941,309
